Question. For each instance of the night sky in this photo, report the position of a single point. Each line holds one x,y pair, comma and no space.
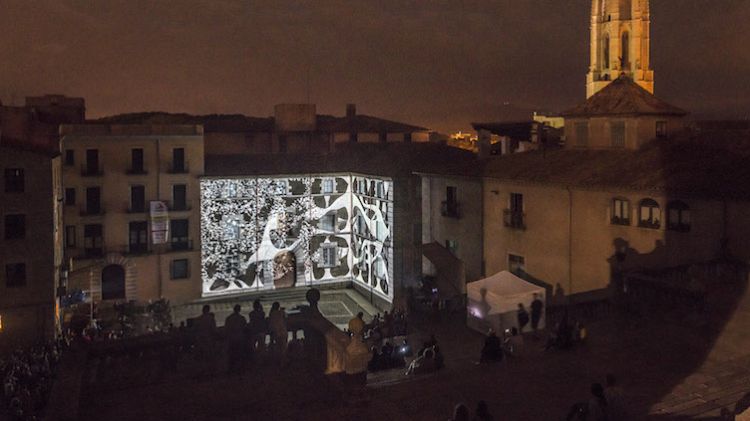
440,64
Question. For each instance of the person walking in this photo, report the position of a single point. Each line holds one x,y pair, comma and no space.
234,326
522,316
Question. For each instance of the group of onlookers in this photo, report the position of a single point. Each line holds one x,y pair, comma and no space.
27,376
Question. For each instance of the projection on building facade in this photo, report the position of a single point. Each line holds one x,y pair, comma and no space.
283,232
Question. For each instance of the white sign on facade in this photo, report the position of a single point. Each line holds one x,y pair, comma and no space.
159,222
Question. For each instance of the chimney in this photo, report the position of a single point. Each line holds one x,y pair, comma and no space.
351,111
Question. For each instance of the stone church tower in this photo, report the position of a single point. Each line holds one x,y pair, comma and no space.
619,44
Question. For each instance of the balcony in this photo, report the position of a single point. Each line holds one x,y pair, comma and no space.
180,244
619,220
179,206
137,249
136,171
450,209
514,219
92,211
648,223
90,171
178,169
135,208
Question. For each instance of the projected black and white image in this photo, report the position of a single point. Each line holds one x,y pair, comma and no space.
282,232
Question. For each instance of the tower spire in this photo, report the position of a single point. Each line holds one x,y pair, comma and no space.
620,44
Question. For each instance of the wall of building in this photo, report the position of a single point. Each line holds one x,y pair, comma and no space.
580,252
145,275
638,130
464,228
28,311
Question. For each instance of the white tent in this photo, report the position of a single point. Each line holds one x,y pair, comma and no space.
493,302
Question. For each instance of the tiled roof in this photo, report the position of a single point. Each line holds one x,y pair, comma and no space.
623,97
392,159
713,165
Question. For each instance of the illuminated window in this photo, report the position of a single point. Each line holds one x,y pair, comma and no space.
327,185
328,222
15,227
649,214
678,216
14,180
620,212
15,275
180,269
231,190
329,255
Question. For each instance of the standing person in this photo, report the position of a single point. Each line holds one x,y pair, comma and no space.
482,413
258,326
234,326
205,335
277,327
597,407
615,400
537,307
523,317
460,413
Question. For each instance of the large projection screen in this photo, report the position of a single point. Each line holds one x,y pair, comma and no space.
261,233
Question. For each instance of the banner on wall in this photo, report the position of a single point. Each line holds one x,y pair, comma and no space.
159,222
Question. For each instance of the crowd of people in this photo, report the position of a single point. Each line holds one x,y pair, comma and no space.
27,376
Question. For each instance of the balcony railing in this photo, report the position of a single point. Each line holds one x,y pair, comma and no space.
92,211
87,171
178,169
179,206
181,245
514,219
138,248
619,220
136,208
652,224
450,209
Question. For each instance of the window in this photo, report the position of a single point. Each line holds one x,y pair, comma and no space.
180,269
516,265
328,185
450,205
136,161
281,187
617,132
137,199
328,222
70,196
179,200
620,212
231,227
661,129
15,227
582,133
14,180
92,162
605,54
70,236
138,237
178,160
329,252
513,216
625,51
179,228
452,246
15,275
678,216
92,240
93,200
70,157
649,214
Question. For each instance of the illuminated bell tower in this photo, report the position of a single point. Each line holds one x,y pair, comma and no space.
619,44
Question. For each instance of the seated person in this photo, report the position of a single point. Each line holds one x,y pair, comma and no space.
425,363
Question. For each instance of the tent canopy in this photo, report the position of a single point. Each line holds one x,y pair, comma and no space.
501,293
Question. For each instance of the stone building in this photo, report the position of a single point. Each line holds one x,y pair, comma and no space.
132,210
31,262
620,44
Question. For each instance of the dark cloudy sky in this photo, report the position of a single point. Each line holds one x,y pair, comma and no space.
435,63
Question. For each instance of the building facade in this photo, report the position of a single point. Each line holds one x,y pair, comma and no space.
132,210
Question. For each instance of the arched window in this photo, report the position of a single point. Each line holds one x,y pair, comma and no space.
605,52
625,51
649,214
113,282
678,216
620,211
